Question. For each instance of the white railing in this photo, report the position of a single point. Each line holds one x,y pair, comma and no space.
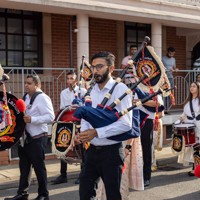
54,81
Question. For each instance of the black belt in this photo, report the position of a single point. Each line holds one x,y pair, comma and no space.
39,135
105,147
36,136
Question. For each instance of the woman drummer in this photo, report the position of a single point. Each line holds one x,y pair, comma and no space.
191,113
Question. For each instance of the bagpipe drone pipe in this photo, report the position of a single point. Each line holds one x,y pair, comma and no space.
100,117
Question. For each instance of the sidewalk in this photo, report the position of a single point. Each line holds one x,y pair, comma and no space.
9,174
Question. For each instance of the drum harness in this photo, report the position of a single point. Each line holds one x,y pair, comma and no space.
26,137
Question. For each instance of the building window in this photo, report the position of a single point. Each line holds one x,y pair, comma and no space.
20,38
135,33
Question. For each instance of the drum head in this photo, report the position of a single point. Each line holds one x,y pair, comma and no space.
9,135
184,126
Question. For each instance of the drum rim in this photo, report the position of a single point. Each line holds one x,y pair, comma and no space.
73,107
177,126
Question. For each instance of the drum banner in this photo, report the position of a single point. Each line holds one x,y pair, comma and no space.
62,137
148,61
10,132
178,143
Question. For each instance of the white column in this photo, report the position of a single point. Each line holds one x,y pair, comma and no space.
156,38
82,38
47,43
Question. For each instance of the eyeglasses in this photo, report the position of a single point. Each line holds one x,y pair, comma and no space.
97,67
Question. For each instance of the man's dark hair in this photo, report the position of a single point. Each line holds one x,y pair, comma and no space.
36,78
132,46
109,57
70,73
171,49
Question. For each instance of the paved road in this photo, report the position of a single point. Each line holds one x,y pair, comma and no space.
169,182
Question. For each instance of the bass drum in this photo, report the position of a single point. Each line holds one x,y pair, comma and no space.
63,133
10,134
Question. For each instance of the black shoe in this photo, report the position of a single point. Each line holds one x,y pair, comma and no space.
146,183
190,173
77,181
18,197
60,179
42,198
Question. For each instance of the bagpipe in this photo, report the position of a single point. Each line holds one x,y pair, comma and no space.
102,116
11,119
63,138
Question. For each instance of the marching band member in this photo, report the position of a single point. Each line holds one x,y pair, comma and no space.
191,114
66,98
147,138
31,154
147,131
104,158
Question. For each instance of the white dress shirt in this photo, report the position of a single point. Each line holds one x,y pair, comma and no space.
67,96
122,125
132,69
41,113
187,112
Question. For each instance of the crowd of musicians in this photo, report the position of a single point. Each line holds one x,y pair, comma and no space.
110,166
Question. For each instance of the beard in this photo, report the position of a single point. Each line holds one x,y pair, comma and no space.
101,78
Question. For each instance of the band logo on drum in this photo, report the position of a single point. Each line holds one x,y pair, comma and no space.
7,123
11,121
64,136
196,159
177,143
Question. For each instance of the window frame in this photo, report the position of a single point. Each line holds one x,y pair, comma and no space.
36,18
132,26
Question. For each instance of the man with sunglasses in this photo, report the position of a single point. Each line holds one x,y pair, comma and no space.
104,158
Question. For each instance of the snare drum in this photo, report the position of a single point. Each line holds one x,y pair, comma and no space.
63,133
188,131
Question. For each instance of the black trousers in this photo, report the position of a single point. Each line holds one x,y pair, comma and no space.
63,168
146,141
105,162
33,155
63,164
